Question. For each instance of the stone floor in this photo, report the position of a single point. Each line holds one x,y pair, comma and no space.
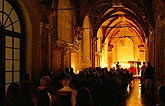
135,98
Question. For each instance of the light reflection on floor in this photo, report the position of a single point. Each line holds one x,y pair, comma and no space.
135,98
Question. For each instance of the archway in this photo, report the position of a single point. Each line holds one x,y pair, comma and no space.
121,38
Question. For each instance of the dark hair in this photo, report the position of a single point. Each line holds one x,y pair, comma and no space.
13,90
13,95
148,63
162,93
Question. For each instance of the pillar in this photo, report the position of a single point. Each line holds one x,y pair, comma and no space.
110,56
142,52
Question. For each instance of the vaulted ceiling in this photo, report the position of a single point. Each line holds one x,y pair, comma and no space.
138,14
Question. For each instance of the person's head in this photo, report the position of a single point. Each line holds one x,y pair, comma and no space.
144,63
161,93
65,82
13,91
71,70
45,80
67,70
148,63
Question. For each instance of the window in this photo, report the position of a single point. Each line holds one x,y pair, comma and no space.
10,42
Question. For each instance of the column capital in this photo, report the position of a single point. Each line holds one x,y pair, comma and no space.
141,48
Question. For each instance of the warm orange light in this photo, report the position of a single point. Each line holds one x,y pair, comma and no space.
122,65
104,65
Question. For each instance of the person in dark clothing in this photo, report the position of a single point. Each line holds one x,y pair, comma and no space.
149,76
142,72
84,97
149,71
161,92
117,66
13,95
42,96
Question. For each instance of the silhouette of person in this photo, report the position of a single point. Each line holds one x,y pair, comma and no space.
149,75
67,89
161,92
142,72
13,95
117,66
138,66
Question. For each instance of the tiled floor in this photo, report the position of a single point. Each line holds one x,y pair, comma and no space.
135,98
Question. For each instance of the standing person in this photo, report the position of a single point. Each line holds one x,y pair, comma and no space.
142,79
149,76
138,66
117,66
142,72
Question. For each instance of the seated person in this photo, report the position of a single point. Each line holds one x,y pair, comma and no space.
13,95
84,97
42,96
67,89
161,93
44,83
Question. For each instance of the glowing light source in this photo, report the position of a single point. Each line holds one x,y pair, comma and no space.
104,65
125,65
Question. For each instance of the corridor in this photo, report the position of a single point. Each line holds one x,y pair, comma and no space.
36,39
135,98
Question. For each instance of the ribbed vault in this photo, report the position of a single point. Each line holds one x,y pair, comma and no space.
139,12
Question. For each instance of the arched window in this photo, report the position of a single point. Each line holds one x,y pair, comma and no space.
125,50
11,44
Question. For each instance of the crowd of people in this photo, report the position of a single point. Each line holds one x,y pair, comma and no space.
87,88
90,87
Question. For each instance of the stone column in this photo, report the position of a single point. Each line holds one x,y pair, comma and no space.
110,56
86,53
142,52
